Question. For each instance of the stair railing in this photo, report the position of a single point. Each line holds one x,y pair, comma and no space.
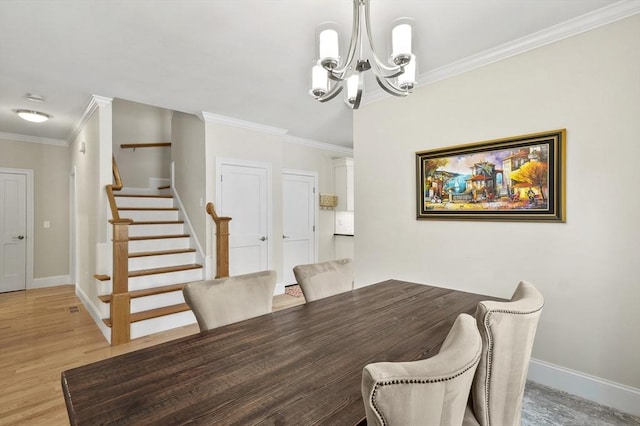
120,300
222,242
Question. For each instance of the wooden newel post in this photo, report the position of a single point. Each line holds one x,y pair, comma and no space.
222,242
120,306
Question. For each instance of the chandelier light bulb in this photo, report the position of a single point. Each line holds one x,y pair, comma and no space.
401,44
319,81
352,89
329,49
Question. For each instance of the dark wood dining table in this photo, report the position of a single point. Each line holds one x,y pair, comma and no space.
298,366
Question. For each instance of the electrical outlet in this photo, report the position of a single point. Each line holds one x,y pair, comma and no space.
47,224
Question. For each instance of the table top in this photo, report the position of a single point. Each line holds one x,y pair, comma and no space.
298,366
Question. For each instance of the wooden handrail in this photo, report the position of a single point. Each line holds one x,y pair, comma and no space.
116,174
117,186
222,242
145,145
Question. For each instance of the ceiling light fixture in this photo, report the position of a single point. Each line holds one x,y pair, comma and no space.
397,76
33,116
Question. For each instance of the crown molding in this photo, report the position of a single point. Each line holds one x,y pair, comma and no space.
208,117
95,102
589,21
318,145
33,139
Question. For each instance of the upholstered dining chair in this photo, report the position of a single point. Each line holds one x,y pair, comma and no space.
227,300
320,280
429,392
507,330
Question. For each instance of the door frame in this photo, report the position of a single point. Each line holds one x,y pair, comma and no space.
220,161
29,221
316,207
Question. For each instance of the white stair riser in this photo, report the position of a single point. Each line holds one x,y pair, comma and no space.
143,202
149,262
156,280
156,325
163,229
146,303
148,215
159,244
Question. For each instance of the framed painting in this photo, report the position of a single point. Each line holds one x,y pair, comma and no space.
516,178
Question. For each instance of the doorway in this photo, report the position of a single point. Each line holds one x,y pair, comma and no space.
299,243
16,229
243,193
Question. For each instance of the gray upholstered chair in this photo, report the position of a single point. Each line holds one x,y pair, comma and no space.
507,330
227,300
320,280
430,392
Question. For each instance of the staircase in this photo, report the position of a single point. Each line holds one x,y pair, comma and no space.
161,261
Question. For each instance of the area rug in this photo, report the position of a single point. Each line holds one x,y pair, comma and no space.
293,290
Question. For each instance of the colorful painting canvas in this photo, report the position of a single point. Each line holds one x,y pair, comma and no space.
516,178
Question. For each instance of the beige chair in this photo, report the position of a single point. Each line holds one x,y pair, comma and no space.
430,392
320,280
228,300
507,330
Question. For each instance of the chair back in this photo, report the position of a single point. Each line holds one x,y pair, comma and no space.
430,392
508,330
227,300
320,280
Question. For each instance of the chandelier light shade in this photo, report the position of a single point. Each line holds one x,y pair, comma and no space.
397,76
33,116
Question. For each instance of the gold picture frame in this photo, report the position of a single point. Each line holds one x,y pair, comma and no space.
519,178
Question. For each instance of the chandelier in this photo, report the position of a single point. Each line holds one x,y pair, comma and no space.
330,74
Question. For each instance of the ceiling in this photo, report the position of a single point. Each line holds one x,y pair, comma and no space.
244,59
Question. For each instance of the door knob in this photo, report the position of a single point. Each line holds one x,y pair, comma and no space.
285,236
20,237
263,239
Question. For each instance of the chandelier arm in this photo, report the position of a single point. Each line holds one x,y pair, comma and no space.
394,69
385,73
340,73
335,91
390,88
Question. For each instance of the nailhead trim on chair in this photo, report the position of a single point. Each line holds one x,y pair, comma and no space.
490,351
416,381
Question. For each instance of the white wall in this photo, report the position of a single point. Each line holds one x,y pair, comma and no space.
245,143
50,165
139,123
188,155
587,267
88,194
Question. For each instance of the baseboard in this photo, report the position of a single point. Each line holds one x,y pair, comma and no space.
605,392
94,312
50,282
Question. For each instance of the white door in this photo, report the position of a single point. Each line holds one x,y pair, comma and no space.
13,226
298,222
243,196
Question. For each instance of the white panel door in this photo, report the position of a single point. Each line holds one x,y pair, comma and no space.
298,223
243,195
13,226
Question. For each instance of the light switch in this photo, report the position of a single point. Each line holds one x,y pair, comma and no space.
47,224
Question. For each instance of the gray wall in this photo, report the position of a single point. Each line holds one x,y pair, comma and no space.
50,165
587,267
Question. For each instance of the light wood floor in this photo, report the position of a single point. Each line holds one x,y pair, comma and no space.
42,335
